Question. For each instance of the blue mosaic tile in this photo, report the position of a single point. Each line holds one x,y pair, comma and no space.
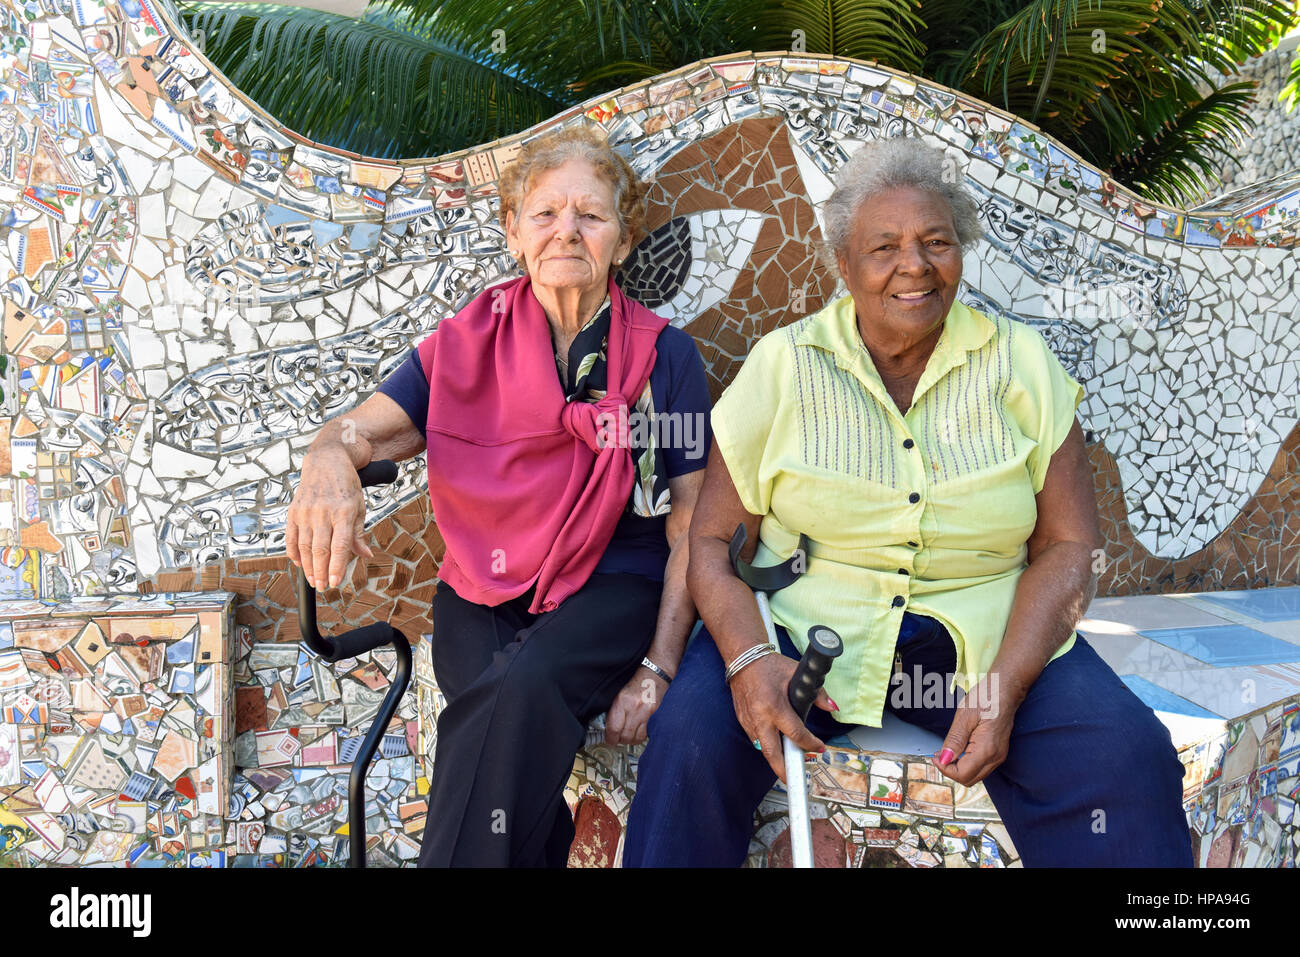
1264,604
1161,699
1225,646
1198,235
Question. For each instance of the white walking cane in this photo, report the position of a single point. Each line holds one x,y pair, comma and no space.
824,645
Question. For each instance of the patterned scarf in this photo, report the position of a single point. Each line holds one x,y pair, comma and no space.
587,383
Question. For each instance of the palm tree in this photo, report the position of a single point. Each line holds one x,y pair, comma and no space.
1128,84
1119,81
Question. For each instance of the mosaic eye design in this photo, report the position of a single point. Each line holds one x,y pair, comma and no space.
689,264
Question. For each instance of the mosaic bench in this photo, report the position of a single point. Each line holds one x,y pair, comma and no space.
241,283
154,732
299,724
1221,670
114,730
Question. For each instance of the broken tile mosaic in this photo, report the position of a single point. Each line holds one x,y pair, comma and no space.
104,760
190,289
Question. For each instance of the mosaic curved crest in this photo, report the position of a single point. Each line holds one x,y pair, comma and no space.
190,287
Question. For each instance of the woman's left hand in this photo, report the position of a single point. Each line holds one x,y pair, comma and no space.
981,728
626,720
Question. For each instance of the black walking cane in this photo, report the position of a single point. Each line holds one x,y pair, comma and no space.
348,645
824,646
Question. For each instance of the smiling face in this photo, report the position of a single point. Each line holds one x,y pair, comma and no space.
567,229
902,266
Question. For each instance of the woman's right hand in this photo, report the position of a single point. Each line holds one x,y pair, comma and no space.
760,690
326,521
760,693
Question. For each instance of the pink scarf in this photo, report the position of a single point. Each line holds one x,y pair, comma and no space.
522,490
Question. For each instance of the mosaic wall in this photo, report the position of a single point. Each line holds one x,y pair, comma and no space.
153,732
189,288
115,731
1243,812
300,723
1222,670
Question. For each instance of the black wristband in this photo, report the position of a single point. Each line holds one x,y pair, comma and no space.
647,663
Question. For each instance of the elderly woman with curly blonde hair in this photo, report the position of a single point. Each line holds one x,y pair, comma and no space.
562,593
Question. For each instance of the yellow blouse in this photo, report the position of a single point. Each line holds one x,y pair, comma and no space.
927,512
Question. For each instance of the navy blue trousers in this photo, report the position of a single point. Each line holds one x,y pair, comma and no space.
1081,743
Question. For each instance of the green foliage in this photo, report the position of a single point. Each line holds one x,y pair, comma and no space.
577,48
1290,94
376,85
883,31
1128,84
1183,143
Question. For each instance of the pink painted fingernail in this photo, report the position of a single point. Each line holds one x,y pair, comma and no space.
834,706
946,756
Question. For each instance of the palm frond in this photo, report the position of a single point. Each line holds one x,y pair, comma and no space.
1290,94
1084,44
1233,31
365,85
557,44
1122,82
883,30
1186,143
1119,81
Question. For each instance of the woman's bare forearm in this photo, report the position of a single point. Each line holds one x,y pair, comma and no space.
1056,588
676,611
726,603
376,429
1052,595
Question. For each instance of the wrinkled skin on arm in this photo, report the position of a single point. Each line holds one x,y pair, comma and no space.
326,521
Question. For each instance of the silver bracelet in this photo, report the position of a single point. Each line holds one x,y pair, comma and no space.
650,665
748,657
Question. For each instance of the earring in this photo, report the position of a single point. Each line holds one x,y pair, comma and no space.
513,252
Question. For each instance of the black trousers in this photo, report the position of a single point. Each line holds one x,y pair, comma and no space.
520,690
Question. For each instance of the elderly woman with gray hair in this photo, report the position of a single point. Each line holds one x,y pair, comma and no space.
931,455
563,502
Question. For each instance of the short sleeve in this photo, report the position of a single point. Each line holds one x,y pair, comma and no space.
1056,396
408,387
687,402
743,420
